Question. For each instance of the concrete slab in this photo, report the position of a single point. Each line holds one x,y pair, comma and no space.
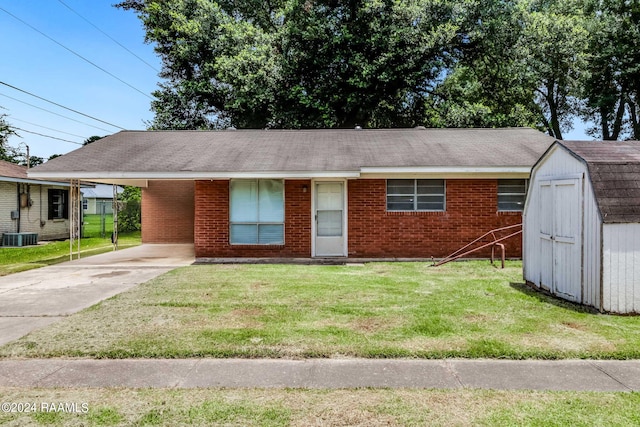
627,373
118,373
32,299
27,373
320,373
577,375
558,375
12,328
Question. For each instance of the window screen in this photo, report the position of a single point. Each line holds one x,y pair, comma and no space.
511,194
415,195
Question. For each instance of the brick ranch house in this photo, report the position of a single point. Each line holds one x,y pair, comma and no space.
401,193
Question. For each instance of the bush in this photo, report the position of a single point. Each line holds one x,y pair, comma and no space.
129,212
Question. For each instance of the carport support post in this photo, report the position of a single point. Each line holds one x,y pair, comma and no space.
74,217
114,238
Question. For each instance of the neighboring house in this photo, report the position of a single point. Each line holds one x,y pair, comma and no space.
29,205
400,193
98,200
582,224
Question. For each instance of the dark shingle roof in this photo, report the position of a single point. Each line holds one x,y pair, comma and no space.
614,170
301,150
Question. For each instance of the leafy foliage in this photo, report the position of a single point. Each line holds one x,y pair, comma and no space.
385,63
129,216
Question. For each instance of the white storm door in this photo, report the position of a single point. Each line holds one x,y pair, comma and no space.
330,219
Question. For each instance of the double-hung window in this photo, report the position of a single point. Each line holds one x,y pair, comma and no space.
511,194
58,204
256,212
415,195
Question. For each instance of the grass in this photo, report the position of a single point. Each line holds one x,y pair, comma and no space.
93,225
379,310
362,407
13,260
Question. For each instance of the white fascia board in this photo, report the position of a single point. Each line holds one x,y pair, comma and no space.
188,175
448,172
34,181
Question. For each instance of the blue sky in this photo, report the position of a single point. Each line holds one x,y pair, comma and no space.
32,62
36,64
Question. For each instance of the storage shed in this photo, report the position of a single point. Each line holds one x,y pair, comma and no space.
582,224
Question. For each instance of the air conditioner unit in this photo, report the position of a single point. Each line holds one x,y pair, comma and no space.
19,239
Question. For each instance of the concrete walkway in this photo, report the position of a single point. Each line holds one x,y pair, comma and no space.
33,299
570,375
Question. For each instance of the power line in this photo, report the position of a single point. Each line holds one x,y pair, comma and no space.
74,52
44,127
111,38
60,105
48,136
51,112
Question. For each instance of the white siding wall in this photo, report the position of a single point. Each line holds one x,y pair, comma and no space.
559,163
33,219
592,243
621,267
8,203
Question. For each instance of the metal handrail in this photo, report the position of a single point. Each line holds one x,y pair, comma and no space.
496,241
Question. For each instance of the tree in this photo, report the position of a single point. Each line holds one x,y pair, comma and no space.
554,50
6,131
91,139
297,64
486,87
523,66
613,88
129,218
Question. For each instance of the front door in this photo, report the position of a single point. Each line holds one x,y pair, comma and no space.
330,219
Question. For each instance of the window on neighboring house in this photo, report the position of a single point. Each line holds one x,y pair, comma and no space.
511,194
256,212
415,195
58,204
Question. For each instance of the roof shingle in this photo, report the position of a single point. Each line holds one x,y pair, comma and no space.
614,170
301,150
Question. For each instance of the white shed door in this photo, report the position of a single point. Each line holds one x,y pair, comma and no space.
330,219
560,237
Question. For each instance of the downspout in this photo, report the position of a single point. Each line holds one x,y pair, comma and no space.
18,205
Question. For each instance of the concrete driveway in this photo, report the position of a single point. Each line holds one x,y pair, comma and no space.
33,299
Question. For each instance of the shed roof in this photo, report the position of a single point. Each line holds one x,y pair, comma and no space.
198,154
100,191
614,170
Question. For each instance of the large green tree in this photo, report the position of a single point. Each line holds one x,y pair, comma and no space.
524,66
299,63
6,153
613,88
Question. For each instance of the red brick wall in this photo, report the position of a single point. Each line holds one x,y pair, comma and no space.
167,212
471,210
168,216
212,223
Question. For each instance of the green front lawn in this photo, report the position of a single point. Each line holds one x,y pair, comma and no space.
379,310
13,260
362,407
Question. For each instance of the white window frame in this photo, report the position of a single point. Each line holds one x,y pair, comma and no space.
415,195
524,195
257,223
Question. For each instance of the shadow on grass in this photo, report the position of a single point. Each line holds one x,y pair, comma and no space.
547,298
